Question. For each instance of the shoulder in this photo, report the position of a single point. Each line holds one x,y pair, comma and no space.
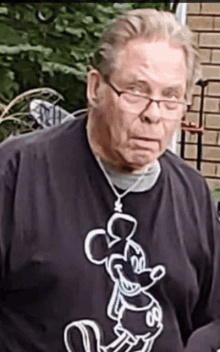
188,186
187,181
23,149
179,169
37,139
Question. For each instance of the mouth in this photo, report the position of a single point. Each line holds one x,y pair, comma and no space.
144,142
127,286
145,139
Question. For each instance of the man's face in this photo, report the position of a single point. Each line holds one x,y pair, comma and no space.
132,140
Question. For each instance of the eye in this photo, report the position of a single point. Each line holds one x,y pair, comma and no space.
136,90
171,94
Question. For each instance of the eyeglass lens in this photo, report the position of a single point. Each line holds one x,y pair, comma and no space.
134,103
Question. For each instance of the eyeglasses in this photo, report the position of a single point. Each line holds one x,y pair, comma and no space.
135,103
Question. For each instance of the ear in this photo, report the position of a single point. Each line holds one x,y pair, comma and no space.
94,85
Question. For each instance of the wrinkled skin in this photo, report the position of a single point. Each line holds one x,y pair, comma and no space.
130,141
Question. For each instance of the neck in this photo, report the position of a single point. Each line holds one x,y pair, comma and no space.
123,168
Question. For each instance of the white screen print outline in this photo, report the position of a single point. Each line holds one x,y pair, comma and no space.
130,301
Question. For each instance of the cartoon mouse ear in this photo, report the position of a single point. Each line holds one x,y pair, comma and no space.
97,246
121,226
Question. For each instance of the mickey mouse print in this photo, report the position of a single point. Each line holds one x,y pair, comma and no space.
137,314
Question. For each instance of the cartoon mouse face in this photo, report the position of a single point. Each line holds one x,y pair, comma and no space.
124,259
125,269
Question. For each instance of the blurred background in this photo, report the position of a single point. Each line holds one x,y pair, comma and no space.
49,45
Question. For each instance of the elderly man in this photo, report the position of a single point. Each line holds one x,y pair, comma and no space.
108,241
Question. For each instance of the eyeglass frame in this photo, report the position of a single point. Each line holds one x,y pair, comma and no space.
158,101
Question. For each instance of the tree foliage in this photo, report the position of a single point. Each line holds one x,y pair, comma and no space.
49,44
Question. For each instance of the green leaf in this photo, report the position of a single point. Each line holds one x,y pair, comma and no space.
55,34
80,66
12,50
78,32
53,66
80,53
122,6
3,10
8,86
59,28
9,36
97,34
75,55
87,20
106,10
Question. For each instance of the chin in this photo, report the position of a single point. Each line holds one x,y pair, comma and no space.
139,160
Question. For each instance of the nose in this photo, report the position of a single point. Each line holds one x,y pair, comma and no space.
151,113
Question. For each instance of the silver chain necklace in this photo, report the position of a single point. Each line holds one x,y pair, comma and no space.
118,204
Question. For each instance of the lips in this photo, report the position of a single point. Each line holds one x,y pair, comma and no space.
145,139
127,286
143,143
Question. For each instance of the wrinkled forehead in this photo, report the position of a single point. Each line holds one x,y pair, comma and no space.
157,48
158,60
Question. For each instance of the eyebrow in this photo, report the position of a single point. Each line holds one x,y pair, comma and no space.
173,88
135,80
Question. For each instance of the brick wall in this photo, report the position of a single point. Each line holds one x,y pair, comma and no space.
204,20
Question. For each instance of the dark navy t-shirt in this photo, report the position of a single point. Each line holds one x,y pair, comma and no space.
76,275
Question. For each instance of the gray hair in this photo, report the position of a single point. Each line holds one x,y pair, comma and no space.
151,25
